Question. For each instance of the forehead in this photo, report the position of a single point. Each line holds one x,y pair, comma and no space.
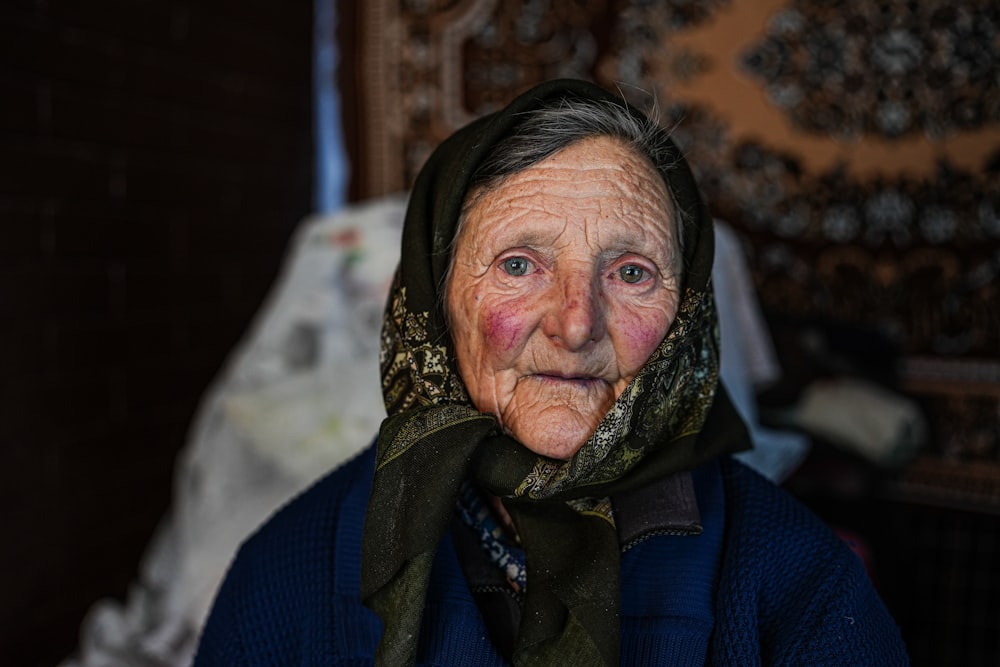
599,187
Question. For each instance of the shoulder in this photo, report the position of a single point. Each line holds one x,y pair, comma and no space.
770,532
310,523
790,583
754,502
323,503
285,574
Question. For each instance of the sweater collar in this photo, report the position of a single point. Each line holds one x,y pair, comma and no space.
668,506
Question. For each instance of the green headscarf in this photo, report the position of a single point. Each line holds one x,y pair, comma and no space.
672,417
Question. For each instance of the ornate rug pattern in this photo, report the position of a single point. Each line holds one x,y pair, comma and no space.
856,146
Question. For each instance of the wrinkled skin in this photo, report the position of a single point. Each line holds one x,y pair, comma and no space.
564,281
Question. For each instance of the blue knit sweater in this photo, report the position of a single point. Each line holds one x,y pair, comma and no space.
765,583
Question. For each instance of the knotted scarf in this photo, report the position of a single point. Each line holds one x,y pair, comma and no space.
671,417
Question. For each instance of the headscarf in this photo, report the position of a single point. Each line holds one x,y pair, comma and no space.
672,417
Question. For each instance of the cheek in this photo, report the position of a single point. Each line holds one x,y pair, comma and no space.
502,328
639,337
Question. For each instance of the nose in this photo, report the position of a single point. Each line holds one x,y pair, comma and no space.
576,316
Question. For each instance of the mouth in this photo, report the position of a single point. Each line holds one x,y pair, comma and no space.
568,379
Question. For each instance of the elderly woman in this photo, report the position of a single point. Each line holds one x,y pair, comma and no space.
552,485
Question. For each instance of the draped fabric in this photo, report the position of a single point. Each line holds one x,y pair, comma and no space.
672,417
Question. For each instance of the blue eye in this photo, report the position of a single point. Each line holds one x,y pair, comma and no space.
632,273
515,266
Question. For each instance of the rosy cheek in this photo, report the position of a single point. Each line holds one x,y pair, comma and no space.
502,328
642,336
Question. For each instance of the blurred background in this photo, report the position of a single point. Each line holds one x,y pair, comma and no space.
165,165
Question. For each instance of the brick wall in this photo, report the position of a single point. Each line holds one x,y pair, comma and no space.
154,158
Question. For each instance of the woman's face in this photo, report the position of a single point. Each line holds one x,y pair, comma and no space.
565,280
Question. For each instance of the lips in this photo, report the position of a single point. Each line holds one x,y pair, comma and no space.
566,378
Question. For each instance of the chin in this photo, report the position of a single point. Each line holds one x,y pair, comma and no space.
557,431
560,444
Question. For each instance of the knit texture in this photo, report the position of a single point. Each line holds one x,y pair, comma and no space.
765,583
790,589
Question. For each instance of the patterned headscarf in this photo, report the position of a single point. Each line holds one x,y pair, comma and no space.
671,417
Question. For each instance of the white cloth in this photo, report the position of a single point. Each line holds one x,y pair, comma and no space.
298,396
864,418
748,358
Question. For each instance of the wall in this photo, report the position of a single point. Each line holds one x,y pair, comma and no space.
154,158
